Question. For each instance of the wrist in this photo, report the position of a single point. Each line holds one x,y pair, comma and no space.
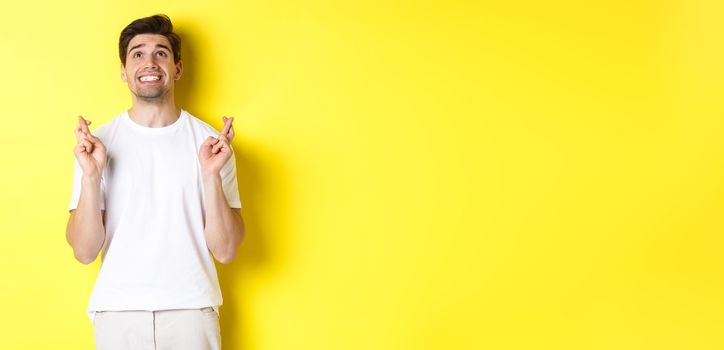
91,179
211,177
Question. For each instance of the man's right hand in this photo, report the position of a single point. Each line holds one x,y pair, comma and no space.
90,151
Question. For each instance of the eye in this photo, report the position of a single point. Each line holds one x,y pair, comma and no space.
136,54
162,53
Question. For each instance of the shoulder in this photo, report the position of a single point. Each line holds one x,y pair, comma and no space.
108,131
103,130
200,125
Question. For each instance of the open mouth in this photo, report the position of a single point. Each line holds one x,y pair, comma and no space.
149,78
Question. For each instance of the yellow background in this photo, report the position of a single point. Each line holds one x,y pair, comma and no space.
414,174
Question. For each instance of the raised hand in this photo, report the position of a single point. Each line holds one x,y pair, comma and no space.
215,151
90,151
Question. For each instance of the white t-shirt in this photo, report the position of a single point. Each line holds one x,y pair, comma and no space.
154,256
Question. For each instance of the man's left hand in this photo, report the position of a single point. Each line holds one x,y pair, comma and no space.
215,151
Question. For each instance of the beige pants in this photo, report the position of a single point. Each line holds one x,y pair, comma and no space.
187,329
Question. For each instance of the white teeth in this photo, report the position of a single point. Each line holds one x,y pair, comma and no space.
150,77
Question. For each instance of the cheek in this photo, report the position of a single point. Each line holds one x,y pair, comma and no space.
128,74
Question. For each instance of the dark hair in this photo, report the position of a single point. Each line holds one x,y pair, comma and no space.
156,24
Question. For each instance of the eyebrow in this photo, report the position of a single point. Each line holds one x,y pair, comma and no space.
157,45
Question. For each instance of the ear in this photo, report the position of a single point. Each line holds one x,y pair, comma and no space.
179,70
123,73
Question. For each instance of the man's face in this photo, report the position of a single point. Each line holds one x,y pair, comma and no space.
150,71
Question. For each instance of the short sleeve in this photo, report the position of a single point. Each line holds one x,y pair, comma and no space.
77,183
228,180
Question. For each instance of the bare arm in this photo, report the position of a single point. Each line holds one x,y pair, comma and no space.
224,227
224,230
85,232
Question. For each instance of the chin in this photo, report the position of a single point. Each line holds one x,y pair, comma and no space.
150,95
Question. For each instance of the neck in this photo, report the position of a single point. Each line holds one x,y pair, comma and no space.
154,114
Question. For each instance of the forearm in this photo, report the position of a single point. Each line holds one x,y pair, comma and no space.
85,231
224,229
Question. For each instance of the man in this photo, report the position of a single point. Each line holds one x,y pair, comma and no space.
155,192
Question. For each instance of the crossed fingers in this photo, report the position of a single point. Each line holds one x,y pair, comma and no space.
82,128
228,129
86,140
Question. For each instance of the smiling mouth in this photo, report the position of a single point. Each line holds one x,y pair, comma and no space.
149,78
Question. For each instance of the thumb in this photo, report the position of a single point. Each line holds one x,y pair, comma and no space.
210,140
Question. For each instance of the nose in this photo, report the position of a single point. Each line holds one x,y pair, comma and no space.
150,63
